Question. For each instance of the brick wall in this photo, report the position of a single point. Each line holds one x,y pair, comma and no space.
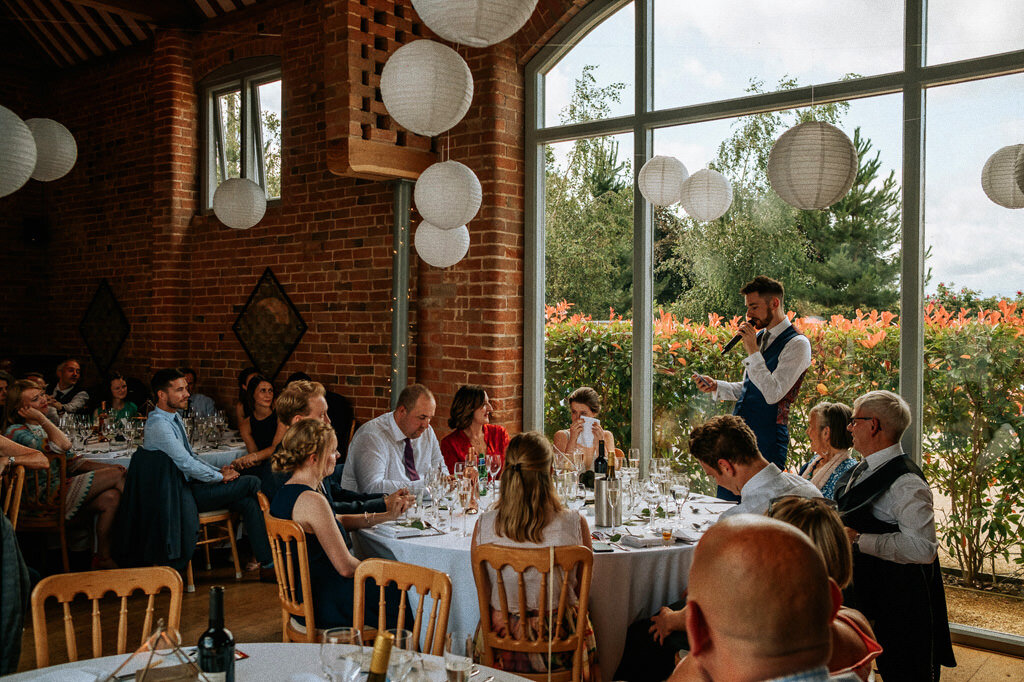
128,212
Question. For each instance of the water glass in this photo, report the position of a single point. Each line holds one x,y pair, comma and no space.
342,655
458,657
403,654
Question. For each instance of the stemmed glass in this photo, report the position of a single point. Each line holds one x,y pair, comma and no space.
464,487
494,469
613,500
403,654
342,656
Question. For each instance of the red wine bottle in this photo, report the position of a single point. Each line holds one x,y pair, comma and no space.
216,646
601,463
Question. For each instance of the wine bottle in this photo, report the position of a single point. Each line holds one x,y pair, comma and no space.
380,658
601,463
216,653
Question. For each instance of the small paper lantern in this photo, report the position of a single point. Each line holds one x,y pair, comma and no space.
661,180
812,165
999,177
427,87
56,151
706,195
17,152
441,248
239,203
448,195
477,23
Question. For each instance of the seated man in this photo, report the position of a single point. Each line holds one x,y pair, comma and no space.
760,605
397,449
304,399
66,395
212,488
201,405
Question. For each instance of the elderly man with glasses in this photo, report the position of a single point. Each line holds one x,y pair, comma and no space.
887,508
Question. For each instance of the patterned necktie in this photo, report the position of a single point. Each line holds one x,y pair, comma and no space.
410,462
855,474
764,341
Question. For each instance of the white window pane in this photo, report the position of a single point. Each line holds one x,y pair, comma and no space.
269,99
228,137
961,30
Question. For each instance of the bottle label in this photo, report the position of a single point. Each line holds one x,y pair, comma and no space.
216,677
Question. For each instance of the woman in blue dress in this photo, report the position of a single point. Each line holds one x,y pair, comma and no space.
309,453
831,443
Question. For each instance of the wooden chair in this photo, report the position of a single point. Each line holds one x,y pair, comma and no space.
426,581
287,539
94,585
223,522
42,511
565,560
13,482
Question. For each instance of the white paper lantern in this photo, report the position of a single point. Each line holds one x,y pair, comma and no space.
448,195
999,177
477,23
661,180
239,203
706,195
441,248
56,151
812,165
1018,170
427,87
17,152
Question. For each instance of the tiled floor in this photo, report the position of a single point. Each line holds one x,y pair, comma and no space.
974,665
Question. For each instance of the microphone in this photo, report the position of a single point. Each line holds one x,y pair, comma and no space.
732,342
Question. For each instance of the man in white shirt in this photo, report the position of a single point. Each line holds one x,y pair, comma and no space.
777,358
886,505
726,449
397,449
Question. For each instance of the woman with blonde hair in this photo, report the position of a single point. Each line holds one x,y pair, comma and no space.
529,514
831,443
309,452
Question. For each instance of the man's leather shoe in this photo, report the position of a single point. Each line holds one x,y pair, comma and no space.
267,575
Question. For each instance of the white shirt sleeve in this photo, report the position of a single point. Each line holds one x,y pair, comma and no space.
794,360
727,390
375,463
907,503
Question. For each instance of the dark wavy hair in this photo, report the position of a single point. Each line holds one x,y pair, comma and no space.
466,401
249,403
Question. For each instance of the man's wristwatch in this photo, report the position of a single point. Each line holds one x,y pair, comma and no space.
11,462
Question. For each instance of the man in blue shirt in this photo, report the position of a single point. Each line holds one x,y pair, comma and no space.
212,488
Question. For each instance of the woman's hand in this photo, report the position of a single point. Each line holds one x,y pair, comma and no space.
575,431
597,431
397,502
29,413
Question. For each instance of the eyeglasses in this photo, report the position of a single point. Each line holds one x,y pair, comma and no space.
818,501
870,419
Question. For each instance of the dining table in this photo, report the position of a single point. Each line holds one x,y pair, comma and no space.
263,661
120,452
637,577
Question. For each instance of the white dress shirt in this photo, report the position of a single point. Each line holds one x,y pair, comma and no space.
908,504
794,360
766,485
376,457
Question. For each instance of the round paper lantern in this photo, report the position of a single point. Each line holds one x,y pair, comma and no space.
17,152
661,180
426,87
706,195
812,165
239,203
441,248
477,23
56,151
448,195
999,177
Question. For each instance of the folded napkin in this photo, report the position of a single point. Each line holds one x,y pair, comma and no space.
80,675
688,535
393,530
641,541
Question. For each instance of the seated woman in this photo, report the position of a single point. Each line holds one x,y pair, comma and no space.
530,515
309,452
261,432
238,411
831,443
118,405
583,402
91,485
472,428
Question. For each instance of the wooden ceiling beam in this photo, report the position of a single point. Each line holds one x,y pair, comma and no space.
166,13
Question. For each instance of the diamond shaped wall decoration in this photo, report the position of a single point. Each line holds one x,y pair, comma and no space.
269,326
104,327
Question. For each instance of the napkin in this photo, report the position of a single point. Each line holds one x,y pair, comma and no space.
641,541
80,675
587,436
688,535
393,530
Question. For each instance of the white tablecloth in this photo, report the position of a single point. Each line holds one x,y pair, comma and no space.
119,453
266,662
627,585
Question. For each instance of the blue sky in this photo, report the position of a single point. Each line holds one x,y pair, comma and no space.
706,51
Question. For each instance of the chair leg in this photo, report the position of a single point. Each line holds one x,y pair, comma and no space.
206,547
234,549
191,585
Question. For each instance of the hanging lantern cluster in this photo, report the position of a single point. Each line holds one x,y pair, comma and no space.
706,195
38,148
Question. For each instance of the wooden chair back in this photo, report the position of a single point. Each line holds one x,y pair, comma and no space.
562,560
42,509
65,587
13,482
427,581
288,547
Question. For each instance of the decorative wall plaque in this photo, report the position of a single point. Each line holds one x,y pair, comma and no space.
269,326
104,327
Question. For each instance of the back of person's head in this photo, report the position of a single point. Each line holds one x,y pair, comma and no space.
411,394
163,378
303,439
13,404
759,599
190,370
816,517
724,437
836,416
293,401
585,395
890,409
527,494
298,376
466,401
764,286
6,376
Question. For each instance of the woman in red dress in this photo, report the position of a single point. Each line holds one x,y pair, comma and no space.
471,426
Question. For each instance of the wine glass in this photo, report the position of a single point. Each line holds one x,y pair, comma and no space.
403,653
494,468
614,501
342,656
465,491
680,493
458,657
